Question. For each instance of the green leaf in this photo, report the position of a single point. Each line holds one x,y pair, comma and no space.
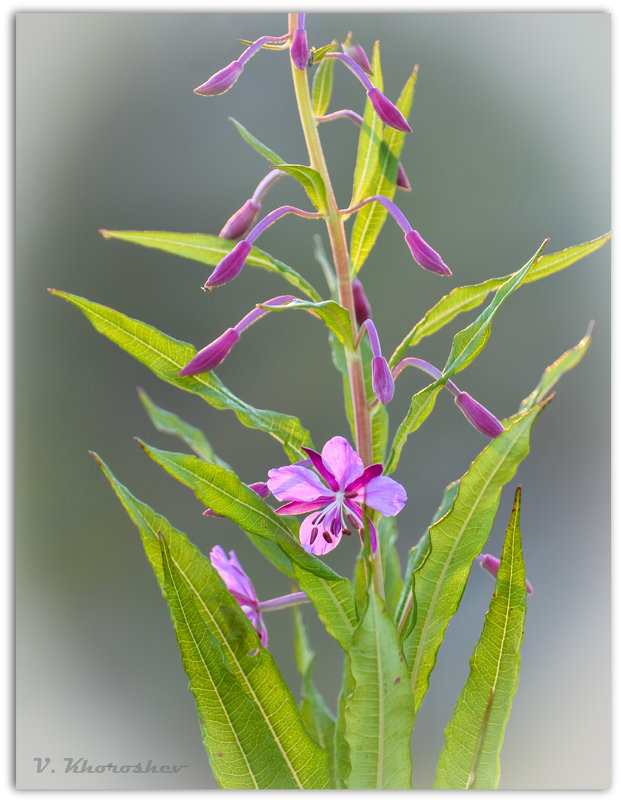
327,268
169,423
466,346
251,727
210,250
463,299
553,373
318,54
371,218
316,715
322,86
307,176
469,342
369,138
333,315
387,535
226,495
456,540
379,712
166,356
473,738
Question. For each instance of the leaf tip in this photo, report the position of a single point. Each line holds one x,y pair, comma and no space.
105,233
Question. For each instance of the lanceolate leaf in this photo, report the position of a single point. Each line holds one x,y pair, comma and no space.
379,712
466,346
553,373
307,176
316,715
333,315
226,495
166,356
474,735
209,250
322,86
371,218
169,423
370,136
456,540
387,535
463,299
250,723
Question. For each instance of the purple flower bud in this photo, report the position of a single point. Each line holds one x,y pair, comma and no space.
239,223
260,488
357,54
481,418
211,355
425,255
229,267
222,81
299,49
402,180
362,307
383,382
387,111
490,564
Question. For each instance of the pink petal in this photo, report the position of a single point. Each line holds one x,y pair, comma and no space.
341,459
292,483
321,469
320,544
369,473
384,495
299,507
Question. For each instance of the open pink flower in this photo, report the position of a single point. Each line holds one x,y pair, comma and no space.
338,492
240,587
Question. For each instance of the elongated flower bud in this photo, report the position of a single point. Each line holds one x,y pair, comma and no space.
425,255
480,417
222,81
240,222
211,355
387,111
381,377
230,267
491,564
299,46
362,307
357,54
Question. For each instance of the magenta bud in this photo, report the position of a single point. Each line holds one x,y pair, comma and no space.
383,382
299,49
260,488
425,255
490,564
211,355
238,224
387,111
402,180
230,266
362,307
357,54
222,81
481,418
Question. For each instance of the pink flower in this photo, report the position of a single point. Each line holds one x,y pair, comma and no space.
338,492
240,587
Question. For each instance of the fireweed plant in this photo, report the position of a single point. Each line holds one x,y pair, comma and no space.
389,622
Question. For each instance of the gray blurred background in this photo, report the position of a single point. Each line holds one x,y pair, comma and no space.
511,144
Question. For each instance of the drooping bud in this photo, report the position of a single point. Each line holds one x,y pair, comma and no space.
222,81
229,267
425,255
480,417
299,45
383,382
239,223
357,54
381,377
387,111
402,180
362,307
491,564
211,355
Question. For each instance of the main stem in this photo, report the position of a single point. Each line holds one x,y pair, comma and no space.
340,255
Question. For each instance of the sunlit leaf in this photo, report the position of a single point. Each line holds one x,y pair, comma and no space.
370,136
322,84
333,315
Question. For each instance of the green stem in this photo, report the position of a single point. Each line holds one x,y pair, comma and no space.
340,255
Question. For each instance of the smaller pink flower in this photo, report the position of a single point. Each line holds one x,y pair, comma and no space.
240,587
338,490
